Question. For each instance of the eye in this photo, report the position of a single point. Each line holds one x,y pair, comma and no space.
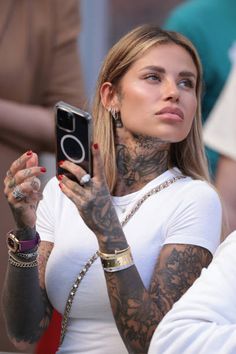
153,77
186,83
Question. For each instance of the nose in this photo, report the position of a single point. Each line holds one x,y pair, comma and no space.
171,90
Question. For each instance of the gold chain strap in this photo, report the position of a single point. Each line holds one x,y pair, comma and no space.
96,254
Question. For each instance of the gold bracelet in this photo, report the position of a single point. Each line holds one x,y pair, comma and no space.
17,263
113,262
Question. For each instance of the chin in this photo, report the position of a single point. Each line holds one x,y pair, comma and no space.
173,136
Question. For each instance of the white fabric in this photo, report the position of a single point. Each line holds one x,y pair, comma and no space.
219,131
186,212
203,321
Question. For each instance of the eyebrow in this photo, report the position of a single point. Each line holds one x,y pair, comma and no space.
163,71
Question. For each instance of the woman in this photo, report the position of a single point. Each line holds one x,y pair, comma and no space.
147,150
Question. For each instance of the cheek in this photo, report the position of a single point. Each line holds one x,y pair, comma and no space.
137,102
191,111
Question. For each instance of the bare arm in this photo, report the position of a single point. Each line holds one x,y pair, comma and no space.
137,310
27,125
25,304
29,316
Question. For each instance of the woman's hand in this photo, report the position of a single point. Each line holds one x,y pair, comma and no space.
22,189
93,200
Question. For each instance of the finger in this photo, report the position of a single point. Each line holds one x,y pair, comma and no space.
33,161
22,176
26,192
98,166
72,192
74,187
35,184
20,163
76,170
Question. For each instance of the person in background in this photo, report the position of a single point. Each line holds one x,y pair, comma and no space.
120,247
220,134
203,321
39,66
199,21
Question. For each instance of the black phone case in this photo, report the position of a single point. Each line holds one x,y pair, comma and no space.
73,137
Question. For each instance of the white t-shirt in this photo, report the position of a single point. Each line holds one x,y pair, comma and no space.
187,212
203,321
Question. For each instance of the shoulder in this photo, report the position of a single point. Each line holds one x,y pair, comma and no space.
199,200
197,190
194,190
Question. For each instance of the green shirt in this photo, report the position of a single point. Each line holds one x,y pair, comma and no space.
211,27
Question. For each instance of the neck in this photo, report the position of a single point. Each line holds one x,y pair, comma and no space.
140,162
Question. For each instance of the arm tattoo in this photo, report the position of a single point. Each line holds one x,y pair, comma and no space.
103,220
138,311
176,272
135,313
29,316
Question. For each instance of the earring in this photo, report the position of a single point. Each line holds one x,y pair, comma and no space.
116,117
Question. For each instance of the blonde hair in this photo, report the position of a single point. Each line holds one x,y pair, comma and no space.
188,155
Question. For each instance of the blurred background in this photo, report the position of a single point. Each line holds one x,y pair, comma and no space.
103,22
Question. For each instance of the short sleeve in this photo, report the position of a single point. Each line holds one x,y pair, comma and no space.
46,211
198,218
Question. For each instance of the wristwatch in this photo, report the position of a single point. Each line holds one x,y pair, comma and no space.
15,245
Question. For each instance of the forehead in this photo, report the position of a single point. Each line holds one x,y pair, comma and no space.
167,55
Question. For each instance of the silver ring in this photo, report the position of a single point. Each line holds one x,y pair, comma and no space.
85,179
17,194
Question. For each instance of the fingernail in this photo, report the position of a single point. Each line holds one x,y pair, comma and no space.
60,163
43,169
60,177
29,153
60,185
95,146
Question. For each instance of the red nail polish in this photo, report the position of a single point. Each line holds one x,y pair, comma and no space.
60,163
43,169
29,153
95,146
60,177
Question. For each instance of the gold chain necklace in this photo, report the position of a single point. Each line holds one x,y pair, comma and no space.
92,259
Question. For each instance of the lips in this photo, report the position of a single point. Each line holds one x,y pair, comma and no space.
170,110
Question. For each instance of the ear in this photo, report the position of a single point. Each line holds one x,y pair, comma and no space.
109,97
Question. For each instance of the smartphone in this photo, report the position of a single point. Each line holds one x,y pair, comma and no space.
73,137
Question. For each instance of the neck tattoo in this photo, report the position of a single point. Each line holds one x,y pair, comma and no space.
141,165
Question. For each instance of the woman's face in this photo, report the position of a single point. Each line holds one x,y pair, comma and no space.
158,94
